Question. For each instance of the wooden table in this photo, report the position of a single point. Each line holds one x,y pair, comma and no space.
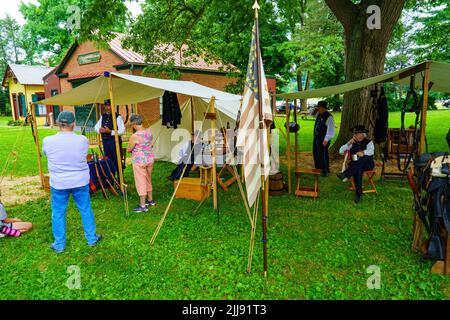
307,191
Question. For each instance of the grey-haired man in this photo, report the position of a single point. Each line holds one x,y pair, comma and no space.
69,174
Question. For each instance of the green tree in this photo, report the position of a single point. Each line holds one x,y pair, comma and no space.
51,26
215,30
316,49
365,52
432,40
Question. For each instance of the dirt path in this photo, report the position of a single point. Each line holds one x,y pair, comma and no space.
21,189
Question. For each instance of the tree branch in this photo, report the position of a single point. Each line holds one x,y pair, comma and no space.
344,10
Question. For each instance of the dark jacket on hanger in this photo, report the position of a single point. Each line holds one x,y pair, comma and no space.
171,115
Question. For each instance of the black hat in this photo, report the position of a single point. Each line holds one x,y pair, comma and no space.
107,102
358,129
322,103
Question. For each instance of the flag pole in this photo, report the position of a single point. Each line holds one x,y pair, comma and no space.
264,184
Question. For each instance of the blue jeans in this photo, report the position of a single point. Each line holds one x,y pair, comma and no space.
60,199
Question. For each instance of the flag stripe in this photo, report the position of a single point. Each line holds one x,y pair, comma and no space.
250,138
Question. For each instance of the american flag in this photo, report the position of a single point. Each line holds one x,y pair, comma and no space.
249,136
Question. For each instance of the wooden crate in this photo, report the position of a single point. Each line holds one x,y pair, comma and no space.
192,189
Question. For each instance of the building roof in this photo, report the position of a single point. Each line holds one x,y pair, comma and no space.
130,57
194,62
30,75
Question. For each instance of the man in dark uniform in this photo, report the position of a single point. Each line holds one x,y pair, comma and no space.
105,127
361,155
323,133
196,158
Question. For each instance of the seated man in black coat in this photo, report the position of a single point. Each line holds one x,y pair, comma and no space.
361,151
186,161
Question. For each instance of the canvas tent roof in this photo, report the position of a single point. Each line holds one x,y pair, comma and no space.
439,75
134,89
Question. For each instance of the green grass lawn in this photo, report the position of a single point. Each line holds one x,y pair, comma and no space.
316,249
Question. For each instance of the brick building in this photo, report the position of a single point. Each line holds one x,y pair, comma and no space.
84,62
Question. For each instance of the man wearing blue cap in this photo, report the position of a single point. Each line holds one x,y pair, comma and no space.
69,174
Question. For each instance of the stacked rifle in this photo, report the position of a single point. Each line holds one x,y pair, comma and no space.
105,178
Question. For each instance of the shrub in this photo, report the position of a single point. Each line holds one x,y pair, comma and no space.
15,123
335,103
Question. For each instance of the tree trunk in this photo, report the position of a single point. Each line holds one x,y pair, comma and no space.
365,52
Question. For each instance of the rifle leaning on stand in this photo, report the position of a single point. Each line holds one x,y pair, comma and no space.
110,186
418,201
99,178
109,168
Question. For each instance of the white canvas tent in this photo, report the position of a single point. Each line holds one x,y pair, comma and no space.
129,89
168,143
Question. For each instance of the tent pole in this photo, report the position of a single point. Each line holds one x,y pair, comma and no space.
116,134
213,150
296,135
423,119
36,139
192,119
288,147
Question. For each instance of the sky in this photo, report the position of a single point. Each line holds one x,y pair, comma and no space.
13,8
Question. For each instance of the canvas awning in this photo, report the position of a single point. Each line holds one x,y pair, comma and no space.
129,89
439,75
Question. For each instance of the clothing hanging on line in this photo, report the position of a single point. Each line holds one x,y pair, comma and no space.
171,114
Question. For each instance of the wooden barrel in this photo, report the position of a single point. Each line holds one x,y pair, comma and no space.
276,184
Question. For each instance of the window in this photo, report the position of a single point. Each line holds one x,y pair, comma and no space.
41,110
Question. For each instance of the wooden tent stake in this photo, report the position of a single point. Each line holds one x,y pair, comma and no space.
288,147
116,134
36,138
423,116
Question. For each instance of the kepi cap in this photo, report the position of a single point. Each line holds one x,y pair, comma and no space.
358,129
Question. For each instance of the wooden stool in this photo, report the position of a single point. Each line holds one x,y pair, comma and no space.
369,186
307,191
225,184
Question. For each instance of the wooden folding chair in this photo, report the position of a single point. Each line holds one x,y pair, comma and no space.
369,184
224,151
